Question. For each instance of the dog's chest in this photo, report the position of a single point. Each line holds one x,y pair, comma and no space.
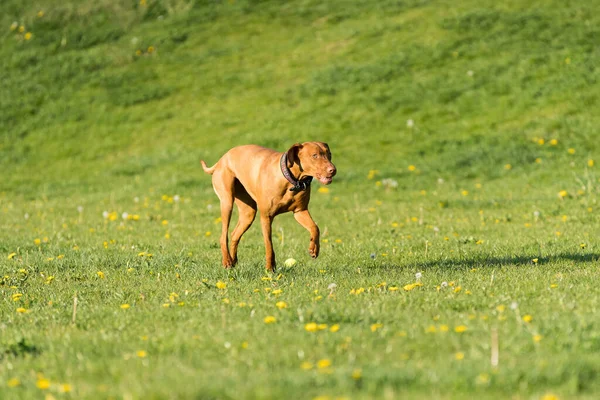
290,201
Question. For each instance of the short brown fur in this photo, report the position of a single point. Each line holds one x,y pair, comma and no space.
250,176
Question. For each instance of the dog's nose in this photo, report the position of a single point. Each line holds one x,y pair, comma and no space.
331,170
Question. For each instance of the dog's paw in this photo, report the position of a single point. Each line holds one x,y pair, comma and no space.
313,250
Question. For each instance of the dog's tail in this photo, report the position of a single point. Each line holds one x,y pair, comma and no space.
206,169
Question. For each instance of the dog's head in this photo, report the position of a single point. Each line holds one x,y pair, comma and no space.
314,159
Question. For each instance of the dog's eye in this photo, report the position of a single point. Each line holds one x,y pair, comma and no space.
315,156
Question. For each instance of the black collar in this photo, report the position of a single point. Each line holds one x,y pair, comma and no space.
297,185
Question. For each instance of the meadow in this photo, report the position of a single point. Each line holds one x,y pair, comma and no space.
459,254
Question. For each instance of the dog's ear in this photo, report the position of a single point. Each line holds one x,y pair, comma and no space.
293,156
327,149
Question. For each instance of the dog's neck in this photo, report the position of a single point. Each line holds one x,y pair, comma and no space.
298,184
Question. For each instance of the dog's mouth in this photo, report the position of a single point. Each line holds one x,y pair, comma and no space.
325,180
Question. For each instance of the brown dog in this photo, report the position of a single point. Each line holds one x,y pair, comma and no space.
256,178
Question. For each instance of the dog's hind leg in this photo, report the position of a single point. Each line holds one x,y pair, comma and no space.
246,213
223,183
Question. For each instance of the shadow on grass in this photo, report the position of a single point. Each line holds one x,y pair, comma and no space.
516,260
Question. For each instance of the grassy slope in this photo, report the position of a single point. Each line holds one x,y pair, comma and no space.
90,123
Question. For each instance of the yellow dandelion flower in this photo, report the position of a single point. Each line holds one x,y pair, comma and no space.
549,396
22,310
411,286
40,14
150,49
37,241
28,36
553,142
537,338
65,388
21,29
412,168
459,356
541,142
165,222
100,274
14,26
270,319
324,363
483,379
501,308
553,286
431,329
11,256
538,160
323,190
277,291
17,296
393,288
281,305
221,285
14,382
357,374
460,329
311,327
563,193
375,327
527,318
507,167
43,383
464,192
571,151
125,306
141,353
334,328
306,365
444,328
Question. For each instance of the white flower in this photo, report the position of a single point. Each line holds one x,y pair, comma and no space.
418,275
80,209
410,123
514,305
436,229
470,73
331,286
176,198
227,345
124,215
389,182
444,284
136,199
26,216
105,214
440,180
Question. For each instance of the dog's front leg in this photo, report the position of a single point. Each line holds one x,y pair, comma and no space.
265,222
304,218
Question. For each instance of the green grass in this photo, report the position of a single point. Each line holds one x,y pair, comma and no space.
109,106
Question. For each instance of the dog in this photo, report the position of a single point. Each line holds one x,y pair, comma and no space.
262,180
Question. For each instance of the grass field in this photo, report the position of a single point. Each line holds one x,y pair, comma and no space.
460,232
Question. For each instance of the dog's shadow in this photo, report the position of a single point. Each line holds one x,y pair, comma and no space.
509,260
